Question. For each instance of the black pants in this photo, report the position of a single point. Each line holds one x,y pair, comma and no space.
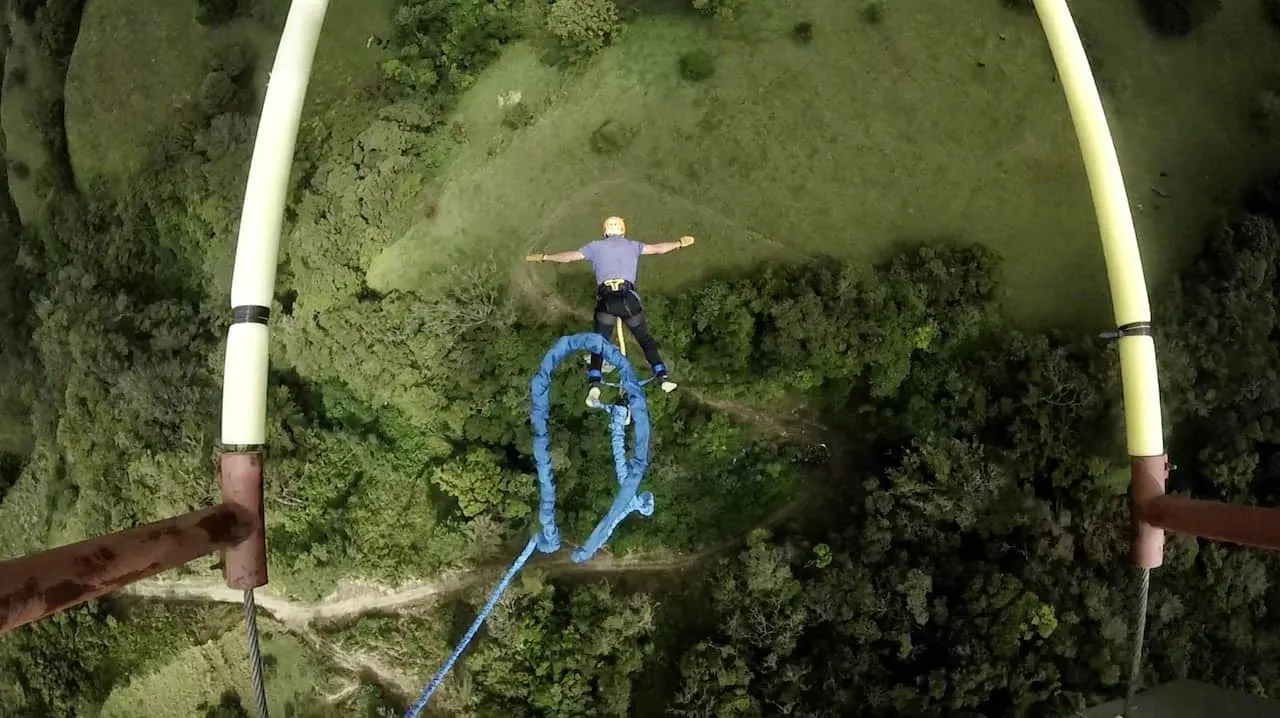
623,303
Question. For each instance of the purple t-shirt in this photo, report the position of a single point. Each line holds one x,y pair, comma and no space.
614,258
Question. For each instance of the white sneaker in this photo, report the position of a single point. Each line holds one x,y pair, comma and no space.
669,386
593,397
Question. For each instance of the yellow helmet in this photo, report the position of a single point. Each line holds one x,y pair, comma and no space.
615,226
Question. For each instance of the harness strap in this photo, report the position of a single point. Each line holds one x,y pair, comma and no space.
615,286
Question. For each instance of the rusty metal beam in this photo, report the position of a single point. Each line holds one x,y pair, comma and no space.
1155,512
36,586
1253,526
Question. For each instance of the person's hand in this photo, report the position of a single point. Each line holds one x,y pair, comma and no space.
539,257
685,241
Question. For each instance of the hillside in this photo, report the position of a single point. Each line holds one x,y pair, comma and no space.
891,482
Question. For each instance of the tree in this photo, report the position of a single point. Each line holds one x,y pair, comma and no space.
218,93
723,10
216,12
583,27
228,706
57,24
1178,17
1272,10
440,45
562,651
715,681
481,485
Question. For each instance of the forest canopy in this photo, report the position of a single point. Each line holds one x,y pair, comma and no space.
897,500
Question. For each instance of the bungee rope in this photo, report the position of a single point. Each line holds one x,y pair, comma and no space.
630,472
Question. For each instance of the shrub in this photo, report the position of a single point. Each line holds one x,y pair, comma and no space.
458,131
517,115
583,27
802,32
724,10
611,137
51,117
27,9
216,12
18,76
224,88
697,65
57,25
1178,17
271,13
441,45
1266,112
233,58
1272,10
873,12
218,93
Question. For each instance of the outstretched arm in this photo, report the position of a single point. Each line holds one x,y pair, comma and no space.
572,255
664,247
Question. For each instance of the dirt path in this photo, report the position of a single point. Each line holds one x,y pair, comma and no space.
786,426
358,599
782,425
303,619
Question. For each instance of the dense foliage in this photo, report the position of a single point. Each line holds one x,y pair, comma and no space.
982,572
697,65
725,10
55,23
583,27
1178,17
968,553
67,664
216,12
440,45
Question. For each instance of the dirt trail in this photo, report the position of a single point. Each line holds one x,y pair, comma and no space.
363,664
301,618
786,426
305,619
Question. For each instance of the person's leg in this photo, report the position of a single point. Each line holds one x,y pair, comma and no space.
604,326
633,315
640,330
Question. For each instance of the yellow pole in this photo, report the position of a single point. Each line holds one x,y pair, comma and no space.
1143,427
1148,465
1119,241
622,338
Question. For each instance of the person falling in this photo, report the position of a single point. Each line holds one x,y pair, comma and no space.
616,259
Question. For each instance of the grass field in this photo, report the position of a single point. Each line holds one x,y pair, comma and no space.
136,60
944,121
202,673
